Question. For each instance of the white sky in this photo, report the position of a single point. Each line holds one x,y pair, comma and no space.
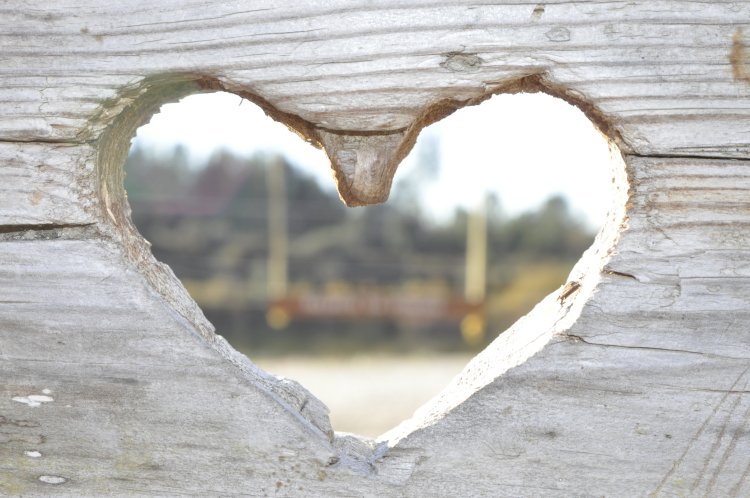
523,147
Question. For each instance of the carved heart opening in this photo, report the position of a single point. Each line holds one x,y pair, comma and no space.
509,349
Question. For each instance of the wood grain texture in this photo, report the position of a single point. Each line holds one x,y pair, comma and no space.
52,184
112,382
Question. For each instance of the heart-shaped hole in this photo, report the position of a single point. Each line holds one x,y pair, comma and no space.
246,215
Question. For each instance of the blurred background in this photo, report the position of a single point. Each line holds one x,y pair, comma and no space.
373,309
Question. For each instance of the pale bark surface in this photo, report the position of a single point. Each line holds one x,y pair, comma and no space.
637,383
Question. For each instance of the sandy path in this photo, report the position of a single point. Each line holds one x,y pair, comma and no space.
369,394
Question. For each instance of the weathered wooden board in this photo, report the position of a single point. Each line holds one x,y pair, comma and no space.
113,383
44,183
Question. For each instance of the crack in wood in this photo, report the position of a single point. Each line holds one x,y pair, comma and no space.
578,338
695,438
609,271
39,140
688,157
41,227
49,231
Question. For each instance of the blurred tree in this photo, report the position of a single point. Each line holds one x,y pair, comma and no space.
155,178
210,223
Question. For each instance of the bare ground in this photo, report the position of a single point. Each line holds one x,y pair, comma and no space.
369,394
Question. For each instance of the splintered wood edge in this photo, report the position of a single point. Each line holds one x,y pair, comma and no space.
553,316
359,183
364,163
119,121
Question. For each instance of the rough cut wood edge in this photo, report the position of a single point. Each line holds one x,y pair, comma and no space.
136,107
555,315
121,117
